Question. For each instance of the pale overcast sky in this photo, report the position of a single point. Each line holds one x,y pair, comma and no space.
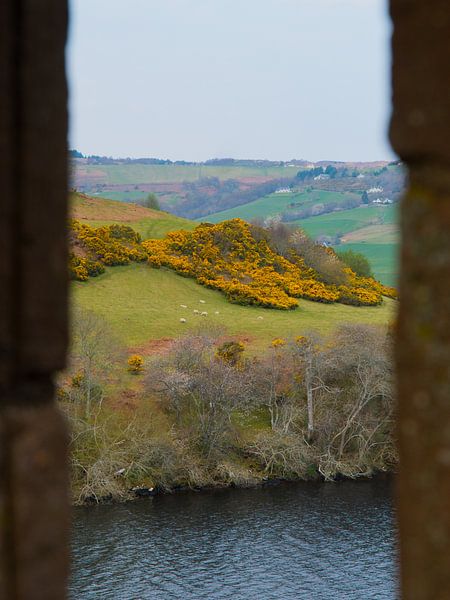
198,79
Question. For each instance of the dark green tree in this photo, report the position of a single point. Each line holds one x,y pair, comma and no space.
151,201
357,262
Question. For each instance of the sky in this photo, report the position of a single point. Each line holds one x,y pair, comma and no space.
200,79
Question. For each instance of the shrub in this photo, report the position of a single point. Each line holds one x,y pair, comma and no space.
80,269
231,352
235,258
357,262
110,245
135,364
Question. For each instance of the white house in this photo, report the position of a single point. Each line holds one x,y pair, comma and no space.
374,190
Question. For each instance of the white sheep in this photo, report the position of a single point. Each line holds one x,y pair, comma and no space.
183,306
202,301
261,318
203,313
182,320
196,312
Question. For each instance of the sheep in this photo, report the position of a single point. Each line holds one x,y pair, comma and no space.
203,313
202,301
183,306
182,320
260,318
196,312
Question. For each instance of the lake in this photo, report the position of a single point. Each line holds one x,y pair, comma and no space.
290,541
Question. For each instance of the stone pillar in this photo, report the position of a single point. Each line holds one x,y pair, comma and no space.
420,134
33,299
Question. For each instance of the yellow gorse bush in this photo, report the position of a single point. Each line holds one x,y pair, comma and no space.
228,258
109,245
135,363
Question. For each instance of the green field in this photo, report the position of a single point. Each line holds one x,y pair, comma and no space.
386,233
341,222
382,257
126,196
274,204
142,304
134,174
152,228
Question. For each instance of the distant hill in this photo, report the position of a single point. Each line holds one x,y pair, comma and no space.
148,223
196,190
330,207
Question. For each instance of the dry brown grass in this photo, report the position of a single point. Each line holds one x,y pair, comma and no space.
85,208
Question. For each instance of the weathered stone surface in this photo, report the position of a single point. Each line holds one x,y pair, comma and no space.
420,132
33,171
423,359
421,92
38,516
33,298
6,198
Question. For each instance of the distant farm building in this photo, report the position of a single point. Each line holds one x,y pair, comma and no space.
283,191
383,201
374,190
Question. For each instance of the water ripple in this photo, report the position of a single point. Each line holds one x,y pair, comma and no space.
302,541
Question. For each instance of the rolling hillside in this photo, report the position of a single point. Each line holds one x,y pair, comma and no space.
274,204
132,174
143,305
338,224
148,223
371,230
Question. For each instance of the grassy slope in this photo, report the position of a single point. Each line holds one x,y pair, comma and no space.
382,257
126,196
135,174
344,221
143,303
386,233
149,223
275,203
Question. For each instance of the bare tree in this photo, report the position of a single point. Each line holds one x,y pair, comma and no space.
273,387
202,390
360,365
94,350
311,370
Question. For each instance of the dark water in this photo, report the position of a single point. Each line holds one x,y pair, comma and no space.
299,541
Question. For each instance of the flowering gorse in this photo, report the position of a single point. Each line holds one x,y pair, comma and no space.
227,257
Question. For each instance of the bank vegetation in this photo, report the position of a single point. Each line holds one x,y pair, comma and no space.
205,413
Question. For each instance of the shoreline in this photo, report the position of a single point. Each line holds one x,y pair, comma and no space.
145,494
